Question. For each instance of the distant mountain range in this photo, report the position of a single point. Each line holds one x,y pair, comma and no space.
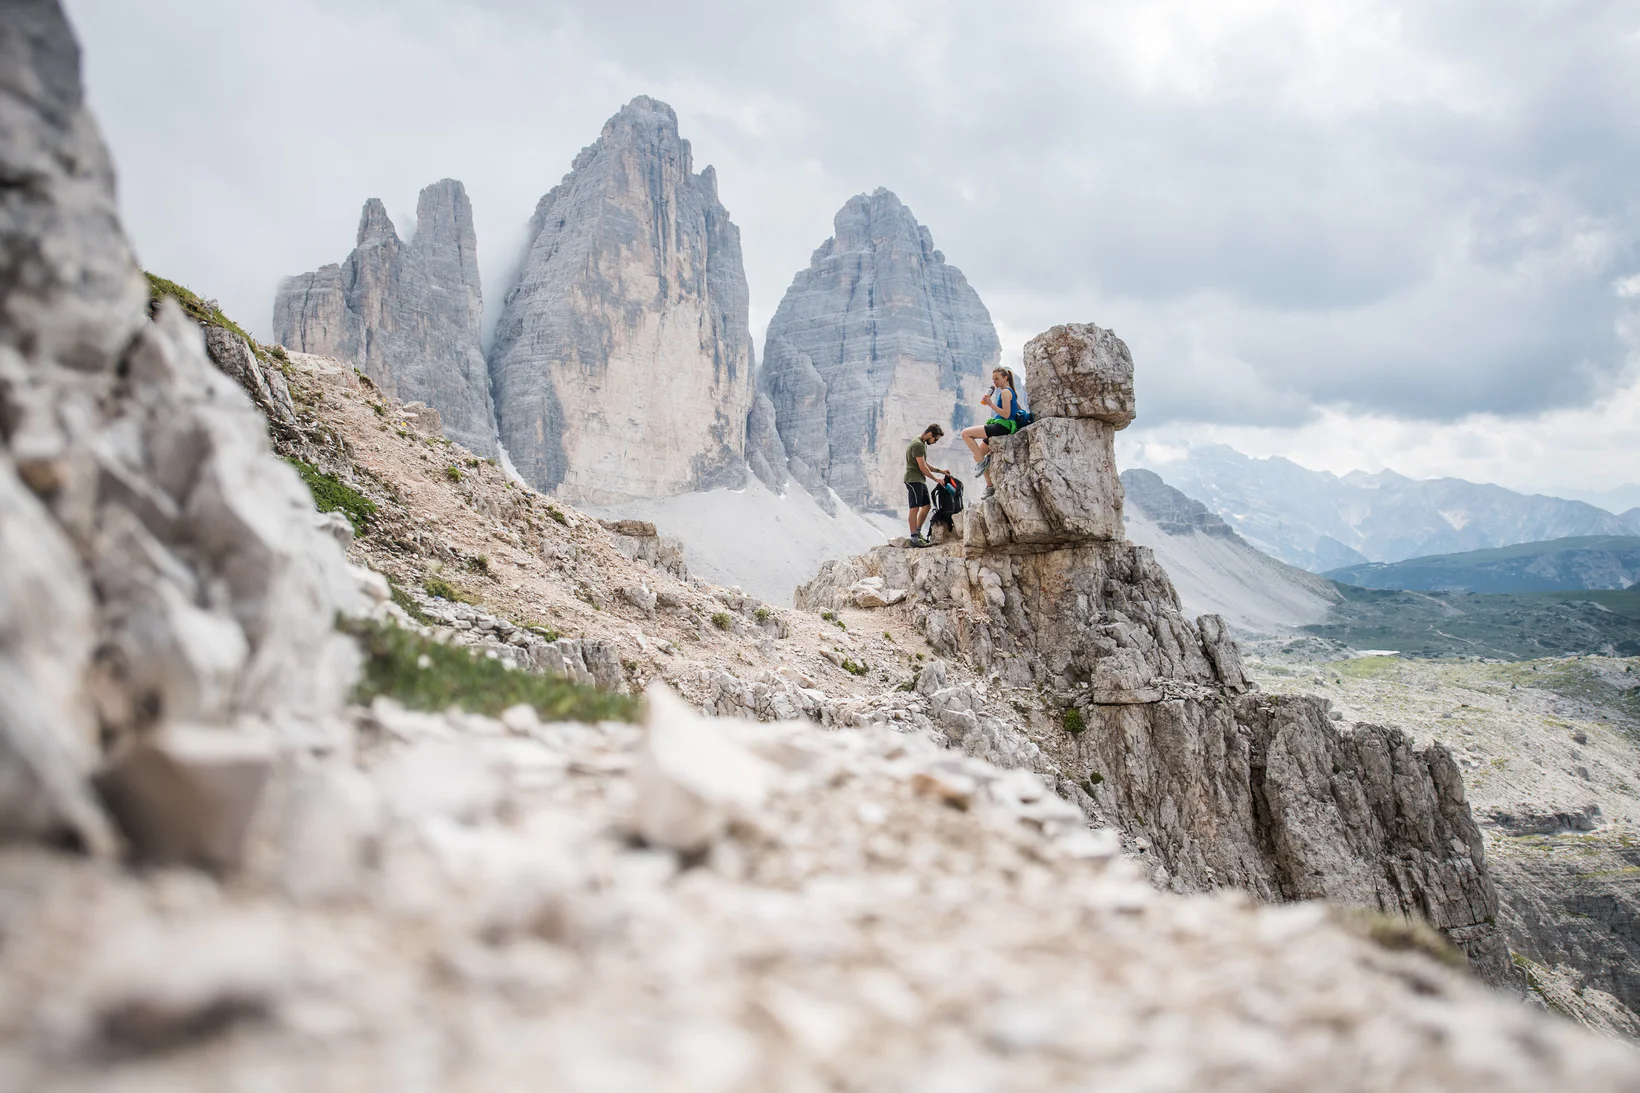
1560,564
1323,522
1216,571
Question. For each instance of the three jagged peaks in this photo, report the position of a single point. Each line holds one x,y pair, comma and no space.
622,365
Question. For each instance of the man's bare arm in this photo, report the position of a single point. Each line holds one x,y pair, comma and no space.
932,472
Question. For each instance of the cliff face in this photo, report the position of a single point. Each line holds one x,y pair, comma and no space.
877,338
622,361
408,314
1225,787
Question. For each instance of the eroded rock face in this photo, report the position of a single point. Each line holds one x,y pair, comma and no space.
875,340
1157,729
622,361
161,567
406,314
1056,483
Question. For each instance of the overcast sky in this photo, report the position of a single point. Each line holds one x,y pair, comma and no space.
1362,234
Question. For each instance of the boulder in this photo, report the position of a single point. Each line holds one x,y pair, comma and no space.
261,379
185,794
1221,650
691,778
1079,370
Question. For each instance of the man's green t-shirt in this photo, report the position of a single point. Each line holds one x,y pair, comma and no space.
918,450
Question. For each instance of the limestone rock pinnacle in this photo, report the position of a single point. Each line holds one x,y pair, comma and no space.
877,338
407,314
622,362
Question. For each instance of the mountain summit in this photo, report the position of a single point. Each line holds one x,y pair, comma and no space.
407,314
622,362
875,339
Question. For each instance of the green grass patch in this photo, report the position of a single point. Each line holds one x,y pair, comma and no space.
855,667
453,473
331,494
1072,721
196,308
444,590
558,514
722,620
424,675
1366,667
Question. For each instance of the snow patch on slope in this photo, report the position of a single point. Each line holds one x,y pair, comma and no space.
765,543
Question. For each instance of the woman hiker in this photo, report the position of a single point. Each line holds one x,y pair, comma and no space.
1003,402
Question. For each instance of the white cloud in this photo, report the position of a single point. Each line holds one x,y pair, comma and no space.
1398,211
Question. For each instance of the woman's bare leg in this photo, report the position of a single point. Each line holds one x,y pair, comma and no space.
974,437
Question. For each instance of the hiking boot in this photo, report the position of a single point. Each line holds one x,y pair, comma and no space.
989,490
982,467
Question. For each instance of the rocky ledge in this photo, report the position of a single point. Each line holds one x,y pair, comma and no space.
1161,735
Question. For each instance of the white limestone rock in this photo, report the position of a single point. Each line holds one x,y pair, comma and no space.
1079,370
622,361
142,512
691,778
1056,483
185,794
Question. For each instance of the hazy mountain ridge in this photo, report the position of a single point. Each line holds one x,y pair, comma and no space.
1571,563
1322,521
1215,570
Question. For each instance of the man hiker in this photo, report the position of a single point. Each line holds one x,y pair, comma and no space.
917,473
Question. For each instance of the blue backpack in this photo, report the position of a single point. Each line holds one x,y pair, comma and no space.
1020,415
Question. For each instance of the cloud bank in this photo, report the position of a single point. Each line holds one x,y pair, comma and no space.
1307,218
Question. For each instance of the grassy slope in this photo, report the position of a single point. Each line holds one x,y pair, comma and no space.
1498,569
1511,626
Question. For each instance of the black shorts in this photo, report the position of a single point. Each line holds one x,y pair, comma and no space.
993,429
916,494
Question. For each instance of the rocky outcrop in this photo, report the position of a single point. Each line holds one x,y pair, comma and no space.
877,338
406,314
1574,908
167,598
623,362
1157,730
765,453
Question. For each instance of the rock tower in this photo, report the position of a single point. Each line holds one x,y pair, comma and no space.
1153,726
875,339
623,362
407,314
